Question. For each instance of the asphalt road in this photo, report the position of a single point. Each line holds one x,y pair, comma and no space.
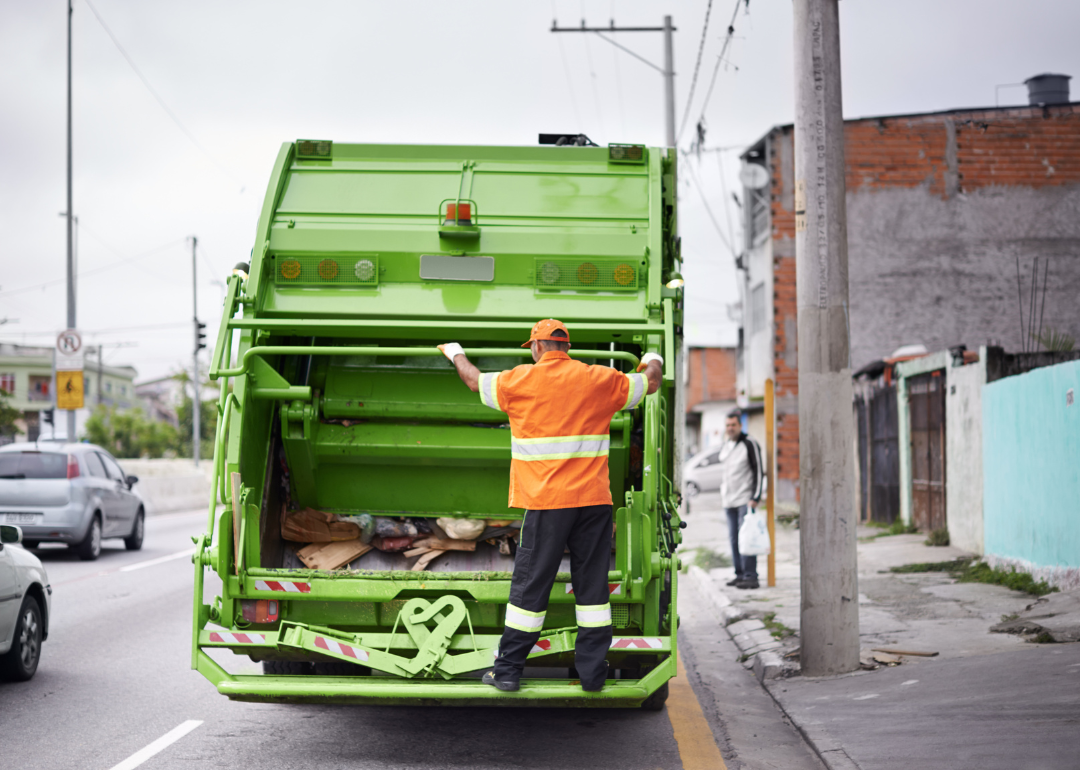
115,678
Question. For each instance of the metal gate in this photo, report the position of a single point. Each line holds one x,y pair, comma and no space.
879,453
926,401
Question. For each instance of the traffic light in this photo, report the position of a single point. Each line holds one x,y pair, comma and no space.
48,415
200,336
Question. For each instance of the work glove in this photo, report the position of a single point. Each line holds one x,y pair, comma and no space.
451,350
647,359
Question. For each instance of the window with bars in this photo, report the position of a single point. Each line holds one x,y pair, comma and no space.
7,382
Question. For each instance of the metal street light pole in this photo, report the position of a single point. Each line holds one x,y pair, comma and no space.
830,608
196,402
70,224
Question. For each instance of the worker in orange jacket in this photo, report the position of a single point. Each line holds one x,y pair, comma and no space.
560,414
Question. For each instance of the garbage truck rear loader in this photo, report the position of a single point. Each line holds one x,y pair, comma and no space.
338,413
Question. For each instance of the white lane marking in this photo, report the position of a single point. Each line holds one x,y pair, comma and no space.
868,697
159,560
157,746
910,681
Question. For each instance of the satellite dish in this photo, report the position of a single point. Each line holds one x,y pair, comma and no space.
753,175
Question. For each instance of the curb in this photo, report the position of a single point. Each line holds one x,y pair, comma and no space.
749,635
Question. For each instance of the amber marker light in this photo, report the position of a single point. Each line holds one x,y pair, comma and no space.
624,275
328,269
290,269
588,273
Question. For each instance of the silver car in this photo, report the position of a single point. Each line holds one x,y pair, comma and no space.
25,606
69,493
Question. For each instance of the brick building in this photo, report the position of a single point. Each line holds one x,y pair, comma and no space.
950,215
710,395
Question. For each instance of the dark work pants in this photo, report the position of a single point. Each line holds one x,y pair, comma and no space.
745,566
544,534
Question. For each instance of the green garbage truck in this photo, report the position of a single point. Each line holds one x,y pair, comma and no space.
338,413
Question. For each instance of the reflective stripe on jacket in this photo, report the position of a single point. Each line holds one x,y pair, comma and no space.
560,414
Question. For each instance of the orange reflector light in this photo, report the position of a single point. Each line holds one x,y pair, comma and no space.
587,273
328,269
259,610
624,275
453,214
290,269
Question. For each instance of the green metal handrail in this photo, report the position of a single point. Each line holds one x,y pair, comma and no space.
374,350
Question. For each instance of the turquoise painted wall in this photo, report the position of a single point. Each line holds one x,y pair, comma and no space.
1031,466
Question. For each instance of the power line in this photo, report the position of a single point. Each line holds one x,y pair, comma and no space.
86,273
701,191
697,67
720,58
168,111
592,77
566,70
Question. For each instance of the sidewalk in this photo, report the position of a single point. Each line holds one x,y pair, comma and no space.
987,700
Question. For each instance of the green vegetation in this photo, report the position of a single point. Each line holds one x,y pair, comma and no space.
967,570
706,558
207,428
938,537
8,416
1056,341
775,627
129,434
898,527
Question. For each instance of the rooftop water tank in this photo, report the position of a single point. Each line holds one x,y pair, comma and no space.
1048,89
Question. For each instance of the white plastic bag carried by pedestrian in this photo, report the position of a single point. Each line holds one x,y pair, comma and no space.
754,535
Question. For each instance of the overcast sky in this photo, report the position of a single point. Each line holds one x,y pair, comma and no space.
242,77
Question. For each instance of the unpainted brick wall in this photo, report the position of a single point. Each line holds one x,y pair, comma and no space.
719,368
941,208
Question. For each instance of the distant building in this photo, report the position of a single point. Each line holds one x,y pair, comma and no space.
962,230
710,395
26,374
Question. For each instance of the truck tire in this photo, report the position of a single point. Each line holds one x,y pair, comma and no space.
20,662
286,667
340,668
656,701
90,547
133,542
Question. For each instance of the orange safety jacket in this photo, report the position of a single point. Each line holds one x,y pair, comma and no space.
560,414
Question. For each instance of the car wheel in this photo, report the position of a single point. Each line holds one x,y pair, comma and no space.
90,548
21,661
656,701
133,542
692,489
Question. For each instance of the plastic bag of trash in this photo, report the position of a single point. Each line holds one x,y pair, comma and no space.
754,535
365,521
388,527
462,529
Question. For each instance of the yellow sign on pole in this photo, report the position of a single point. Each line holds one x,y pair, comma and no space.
69,390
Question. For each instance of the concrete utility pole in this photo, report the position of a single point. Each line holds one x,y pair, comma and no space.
668,70
70,229
830,610
196,403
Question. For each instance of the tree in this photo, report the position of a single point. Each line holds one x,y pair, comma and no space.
129,434
8,416
207,427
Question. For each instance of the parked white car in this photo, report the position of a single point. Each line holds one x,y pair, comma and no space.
702,472
25,606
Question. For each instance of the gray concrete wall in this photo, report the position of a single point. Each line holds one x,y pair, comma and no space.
963,455
944,272
171,485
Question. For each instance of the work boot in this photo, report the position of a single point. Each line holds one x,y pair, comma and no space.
507,685
734,582
748,583
600,685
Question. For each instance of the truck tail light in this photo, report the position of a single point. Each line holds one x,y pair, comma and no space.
259,610
72,467
459,213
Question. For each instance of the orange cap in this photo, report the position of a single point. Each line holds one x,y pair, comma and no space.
543,330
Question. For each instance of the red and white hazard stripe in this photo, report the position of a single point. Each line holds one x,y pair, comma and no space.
542,646
632,643
339,648
614,589
227,638
284,586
